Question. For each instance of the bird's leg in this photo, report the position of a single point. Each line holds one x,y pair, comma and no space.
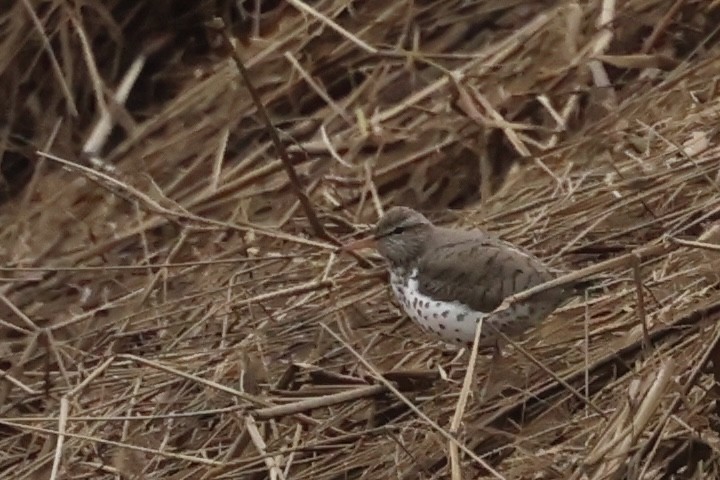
495,359
497,351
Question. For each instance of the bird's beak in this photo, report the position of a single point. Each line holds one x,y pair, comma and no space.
367,242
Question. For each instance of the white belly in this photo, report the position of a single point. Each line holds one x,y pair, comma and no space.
452,322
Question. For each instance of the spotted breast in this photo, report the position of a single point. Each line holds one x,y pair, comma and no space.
451,322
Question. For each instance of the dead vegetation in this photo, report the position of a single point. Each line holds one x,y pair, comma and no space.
169,311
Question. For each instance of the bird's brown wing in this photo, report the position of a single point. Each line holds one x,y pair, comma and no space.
478,272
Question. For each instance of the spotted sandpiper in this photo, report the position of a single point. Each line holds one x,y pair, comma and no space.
449,280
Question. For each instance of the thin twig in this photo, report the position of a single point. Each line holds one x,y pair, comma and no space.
303,7
6,376
279,147
691,243
378,376
642,319
62,422
19,313
56,68
462,402
132,193
318,402
270,462
99,440
555,376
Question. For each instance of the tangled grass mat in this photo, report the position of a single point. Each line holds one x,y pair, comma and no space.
172,302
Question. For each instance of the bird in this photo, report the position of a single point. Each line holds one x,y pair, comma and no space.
449,280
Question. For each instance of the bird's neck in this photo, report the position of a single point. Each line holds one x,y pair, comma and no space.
399,269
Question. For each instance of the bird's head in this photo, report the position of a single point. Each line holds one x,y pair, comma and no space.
399,236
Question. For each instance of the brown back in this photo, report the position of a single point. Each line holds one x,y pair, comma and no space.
479,270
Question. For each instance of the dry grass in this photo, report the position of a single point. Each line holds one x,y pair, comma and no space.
168,311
